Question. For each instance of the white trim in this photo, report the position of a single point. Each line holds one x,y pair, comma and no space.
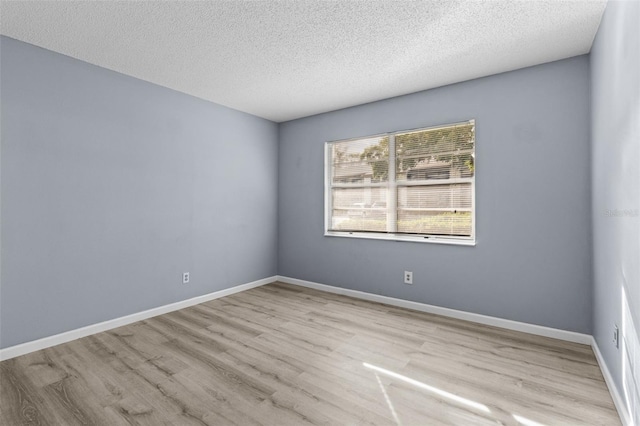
539,330
328,199
403,131
459,241
473,183
613,390
46,342
392,185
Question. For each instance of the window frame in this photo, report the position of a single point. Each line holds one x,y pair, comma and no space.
392,186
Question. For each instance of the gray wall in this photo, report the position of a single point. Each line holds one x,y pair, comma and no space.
615,131
532,261
112,187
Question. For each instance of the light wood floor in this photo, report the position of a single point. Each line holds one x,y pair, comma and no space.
286,355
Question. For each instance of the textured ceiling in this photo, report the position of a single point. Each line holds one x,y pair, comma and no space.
287,59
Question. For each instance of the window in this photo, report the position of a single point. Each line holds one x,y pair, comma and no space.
415,185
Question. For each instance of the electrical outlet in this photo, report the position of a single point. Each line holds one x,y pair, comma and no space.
408,277
616,336
185,278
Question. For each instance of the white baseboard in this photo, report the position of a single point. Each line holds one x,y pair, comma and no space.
613,390
570,336
46,342
539,330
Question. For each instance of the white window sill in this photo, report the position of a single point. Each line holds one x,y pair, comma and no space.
407,238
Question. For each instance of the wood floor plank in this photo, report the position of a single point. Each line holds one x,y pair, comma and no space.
287,355
19,399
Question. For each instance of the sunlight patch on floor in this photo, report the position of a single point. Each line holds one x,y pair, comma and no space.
429,388
389,403
526,422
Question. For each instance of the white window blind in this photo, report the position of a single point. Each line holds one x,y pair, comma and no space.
417,183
